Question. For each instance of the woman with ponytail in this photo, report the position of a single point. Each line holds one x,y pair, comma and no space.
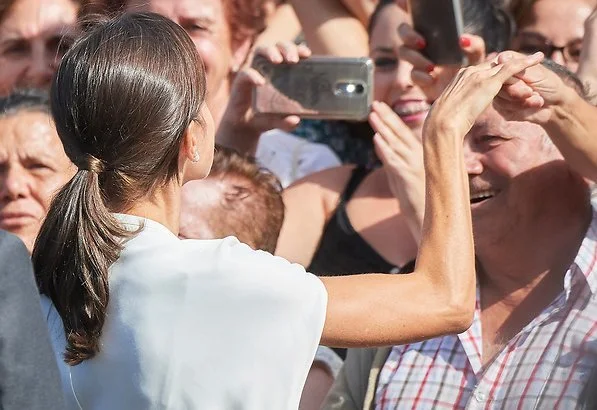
140,319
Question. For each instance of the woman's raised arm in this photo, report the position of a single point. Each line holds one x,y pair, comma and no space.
439,297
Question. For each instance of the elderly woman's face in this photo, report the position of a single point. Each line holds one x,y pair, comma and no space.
33,166
33,36
556,28
205,22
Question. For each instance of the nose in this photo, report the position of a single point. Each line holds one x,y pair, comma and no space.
15,183
472,160
403,79
558,57
41,69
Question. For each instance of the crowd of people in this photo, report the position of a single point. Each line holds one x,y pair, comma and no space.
164,246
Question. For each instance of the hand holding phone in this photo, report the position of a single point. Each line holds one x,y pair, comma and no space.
430,77
316,87
440,22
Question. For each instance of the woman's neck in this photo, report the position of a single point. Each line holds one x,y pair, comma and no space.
162,206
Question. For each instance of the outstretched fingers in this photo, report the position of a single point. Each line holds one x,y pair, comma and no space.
516,66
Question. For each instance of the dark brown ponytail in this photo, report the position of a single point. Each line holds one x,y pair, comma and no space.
122,99
77,244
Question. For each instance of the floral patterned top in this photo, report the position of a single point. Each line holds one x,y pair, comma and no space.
351,141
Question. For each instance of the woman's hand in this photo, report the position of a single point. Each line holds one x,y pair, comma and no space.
401,153
539,95
532,94
430,78
474,89
240,127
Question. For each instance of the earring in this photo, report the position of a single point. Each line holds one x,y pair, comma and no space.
196,157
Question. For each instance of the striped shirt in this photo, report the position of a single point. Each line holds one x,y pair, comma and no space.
545,366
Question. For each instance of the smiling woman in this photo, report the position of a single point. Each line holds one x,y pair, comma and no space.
33,164
33,37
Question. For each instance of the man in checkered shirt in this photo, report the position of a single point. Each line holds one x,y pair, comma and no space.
533,341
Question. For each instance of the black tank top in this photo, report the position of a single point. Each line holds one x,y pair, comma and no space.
342,251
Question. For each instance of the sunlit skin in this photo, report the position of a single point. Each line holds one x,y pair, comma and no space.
198,198
33,167
33,37
510,164
560,22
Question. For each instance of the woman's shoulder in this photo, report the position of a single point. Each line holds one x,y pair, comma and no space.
222,260
325,186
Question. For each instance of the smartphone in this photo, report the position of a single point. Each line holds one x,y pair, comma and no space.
319,87
440,22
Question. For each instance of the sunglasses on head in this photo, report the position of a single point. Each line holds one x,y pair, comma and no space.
530,43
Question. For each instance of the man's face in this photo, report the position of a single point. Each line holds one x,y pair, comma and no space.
511,166
205,22
33,37
33,166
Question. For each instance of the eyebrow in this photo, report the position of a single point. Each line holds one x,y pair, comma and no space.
198,19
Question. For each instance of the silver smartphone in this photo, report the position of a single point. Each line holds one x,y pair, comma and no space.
317,87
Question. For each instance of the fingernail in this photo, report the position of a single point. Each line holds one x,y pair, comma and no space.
465,42
420,43
430,68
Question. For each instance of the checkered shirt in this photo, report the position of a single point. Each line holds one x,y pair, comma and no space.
545,366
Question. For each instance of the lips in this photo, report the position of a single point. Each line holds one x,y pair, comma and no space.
482,196
15,219
411,110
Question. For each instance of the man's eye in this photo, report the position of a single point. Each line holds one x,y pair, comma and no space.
490,139
17,48
195,28
37,166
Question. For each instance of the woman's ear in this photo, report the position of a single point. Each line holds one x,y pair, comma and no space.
190,156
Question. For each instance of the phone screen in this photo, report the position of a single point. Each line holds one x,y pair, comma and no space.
440,23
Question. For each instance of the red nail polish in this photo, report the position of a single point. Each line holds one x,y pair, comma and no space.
430,68
421,43
465,42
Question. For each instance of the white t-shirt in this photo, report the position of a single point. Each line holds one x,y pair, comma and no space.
197,324
290,157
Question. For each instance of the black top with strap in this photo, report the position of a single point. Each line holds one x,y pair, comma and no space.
342,251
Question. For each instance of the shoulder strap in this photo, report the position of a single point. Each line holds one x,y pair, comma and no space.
357,176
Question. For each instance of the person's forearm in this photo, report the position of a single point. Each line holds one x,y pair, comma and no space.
412,207
587,65
330,29
446,252
439,297
361,9
242,139
284,26
573,129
